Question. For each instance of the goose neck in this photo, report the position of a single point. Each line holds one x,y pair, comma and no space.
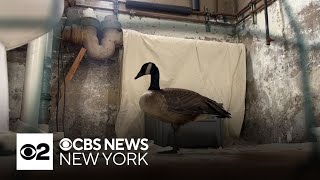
155,76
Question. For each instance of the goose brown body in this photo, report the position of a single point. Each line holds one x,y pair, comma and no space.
179,106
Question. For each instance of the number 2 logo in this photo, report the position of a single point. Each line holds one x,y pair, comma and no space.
29,152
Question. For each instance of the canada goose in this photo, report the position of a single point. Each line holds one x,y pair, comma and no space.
173,105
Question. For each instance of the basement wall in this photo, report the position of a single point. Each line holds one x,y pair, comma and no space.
92,97
274,100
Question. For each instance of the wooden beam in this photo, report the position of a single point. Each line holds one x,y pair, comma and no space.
75,64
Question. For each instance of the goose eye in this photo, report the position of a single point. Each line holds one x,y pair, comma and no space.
28,152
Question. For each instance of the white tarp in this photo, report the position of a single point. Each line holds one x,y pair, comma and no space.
213,69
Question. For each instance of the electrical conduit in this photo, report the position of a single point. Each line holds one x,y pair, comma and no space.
45,90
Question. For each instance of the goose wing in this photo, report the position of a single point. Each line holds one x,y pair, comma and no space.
184,101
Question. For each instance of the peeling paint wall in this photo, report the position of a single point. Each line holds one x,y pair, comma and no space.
274,100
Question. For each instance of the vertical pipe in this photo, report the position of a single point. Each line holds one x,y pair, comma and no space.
253,13
268,39
196,5
33,81
4,90
116,8
45,90
217,6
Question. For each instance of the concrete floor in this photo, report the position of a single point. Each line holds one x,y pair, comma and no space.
277,161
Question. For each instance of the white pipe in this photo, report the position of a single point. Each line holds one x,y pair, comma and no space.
33,81
4,90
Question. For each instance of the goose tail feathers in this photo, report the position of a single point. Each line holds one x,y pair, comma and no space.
218,108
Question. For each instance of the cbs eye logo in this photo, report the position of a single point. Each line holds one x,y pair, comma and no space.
65,144
29,152
34,151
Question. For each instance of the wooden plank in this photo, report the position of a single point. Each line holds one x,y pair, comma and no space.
75,64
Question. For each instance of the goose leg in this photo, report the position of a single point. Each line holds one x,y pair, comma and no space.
175,143
175,148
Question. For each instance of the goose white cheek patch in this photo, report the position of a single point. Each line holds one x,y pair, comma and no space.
148,69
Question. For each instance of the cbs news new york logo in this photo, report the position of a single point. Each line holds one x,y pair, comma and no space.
35,151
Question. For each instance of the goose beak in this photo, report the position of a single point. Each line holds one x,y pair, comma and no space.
139,75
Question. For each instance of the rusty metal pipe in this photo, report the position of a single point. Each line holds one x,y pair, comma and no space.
187,19
111,38
87,36
246,9
259,8
160,16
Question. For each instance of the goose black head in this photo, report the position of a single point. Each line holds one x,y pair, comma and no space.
147,69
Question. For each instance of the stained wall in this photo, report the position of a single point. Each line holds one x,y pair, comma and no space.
274,100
